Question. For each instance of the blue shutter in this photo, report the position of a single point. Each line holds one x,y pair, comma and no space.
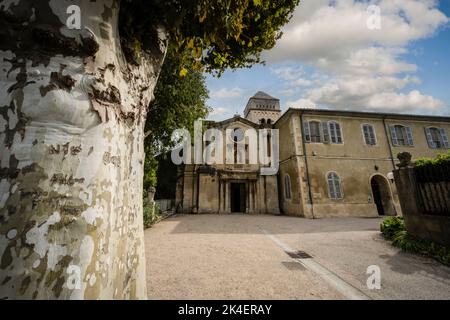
409,136
444,137
431,143
307,132
393,136
326,132
366,134
337,127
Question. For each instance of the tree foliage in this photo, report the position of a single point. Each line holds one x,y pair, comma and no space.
179,101
217,34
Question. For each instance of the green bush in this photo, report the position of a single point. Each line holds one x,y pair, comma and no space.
393,228
390,226
151,216
441,158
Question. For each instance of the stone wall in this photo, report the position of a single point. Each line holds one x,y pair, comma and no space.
425,226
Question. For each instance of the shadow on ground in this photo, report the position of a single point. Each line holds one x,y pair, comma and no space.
252,224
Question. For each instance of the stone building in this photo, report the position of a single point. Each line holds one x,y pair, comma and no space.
331,163
238,186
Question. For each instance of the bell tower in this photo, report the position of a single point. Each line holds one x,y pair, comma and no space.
262,109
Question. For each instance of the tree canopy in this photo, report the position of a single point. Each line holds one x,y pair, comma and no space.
179,101
217,34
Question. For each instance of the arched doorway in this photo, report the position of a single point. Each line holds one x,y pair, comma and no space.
382,197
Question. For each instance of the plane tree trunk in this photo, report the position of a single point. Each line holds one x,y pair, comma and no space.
72,111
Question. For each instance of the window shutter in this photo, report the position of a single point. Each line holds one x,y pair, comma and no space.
366,134
409,136
337,127
444,137
393,136
331,187
372,135
337,187
325,132
431,143
306,132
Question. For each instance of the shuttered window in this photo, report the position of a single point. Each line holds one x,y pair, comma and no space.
437,138
334,129
312,131
401,135
369,135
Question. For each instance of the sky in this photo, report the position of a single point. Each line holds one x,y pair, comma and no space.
379,56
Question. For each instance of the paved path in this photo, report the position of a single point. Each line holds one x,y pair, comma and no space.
246,257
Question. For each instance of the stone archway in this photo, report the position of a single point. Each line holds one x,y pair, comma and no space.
382,195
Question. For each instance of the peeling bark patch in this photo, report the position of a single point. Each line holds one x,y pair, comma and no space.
13,110
108,158
6,258
65,149
65,179
111,95
24,286
58,81
31,28
9,173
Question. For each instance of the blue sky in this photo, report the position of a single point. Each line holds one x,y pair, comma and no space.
342,54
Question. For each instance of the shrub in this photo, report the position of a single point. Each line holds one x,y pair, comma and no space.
151,215
440,159
393,228
390,226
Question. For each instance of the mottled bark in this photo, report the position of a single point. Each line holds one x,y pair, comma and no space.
72,113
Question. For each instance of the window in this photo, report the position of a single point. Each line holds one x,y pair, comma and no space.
287,186
401,135
334,129
369,135
269,121
334,186
322,132
262,121
312,131
437,138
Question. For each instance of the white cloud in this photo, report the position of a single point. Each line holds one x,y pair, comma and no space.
303,82
373,93
301,103
326,32
363,68
288,73
219,111
227,93
409,102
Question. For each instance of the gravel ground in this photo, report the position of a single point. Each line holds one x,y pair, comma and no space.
243,257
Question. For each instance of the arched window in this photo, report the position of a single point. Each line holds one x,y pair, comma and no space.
334,186
269,121
287,186
334,129
262,121
369,134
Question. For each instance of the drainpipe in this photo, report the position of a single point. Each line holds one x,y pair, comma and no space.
306,166
388,142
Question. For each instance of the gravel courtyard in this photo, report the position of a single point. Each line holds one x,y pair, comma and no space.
250,257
